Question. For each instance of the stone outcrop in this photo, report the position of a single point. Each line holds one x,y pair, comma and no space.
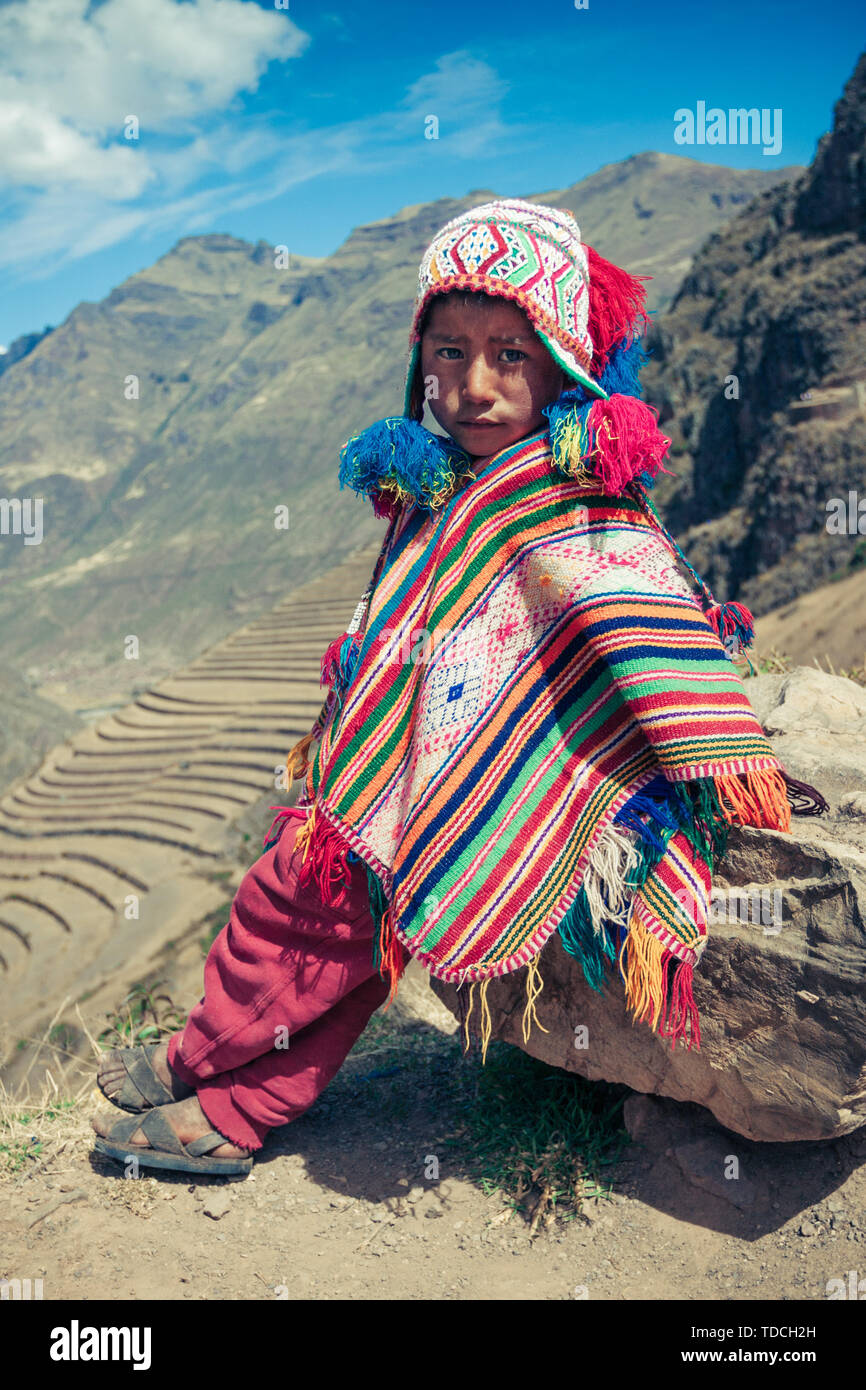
781,1001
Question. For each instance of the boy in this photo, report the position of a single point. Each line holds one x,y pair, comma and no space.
564,751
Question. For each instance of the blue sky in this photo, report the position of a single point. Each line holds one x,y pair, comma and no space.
296,124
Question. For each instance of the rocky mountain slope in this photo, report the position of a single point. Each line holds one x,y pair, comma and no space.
759,369
165,425
29,726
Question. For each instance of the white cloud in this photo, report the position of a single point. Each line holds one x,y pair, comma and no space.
460,88
71,73
38,149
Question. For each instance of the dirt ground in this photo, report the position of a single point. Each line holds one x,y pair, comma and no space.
344,1204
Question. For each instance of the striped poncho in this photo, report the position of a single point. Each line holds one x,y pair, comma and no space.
536,730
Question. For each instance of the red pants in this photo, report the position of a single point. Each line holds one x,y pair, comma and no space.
286,967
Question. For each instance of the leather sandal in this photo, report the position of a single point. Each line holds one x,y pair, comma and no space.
166,1150
142,1088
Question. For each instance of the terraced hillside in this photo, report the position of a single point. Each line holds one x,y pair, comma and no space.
109,849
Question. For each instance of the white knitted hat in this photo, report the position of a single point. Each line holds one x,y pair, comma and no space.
525,252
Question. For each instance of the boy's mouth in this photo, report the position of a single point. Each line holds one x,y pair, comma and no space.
479,424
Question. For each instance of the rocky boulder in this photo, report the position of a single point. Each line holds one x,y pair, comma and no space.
780,987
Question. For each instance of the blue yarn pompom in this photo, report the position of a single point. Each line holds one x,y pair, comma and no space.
401,451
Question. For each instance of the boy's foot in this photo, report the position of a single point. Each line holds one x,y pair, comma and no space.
112,1072
187,1120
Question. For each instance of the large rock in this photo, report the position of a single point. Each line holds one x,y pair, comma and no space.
782,1007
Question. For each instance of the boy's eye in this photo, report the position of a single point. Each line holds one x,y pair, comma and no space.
511,361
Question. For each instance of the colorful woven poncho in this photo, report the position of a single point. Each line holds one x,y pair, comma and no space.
534,728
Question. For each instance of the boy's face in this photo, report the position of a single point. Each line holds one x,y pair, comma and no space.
494,373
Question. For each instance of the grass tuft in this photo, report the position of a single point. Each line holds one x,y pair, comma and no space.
144,1017
540,1137
778,662
36,1127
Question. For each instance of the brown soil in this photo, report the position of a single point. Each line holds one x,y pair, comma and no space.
338,1207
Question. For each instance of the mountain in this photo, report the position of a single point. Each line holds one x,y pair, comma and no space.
759,370
20,347
164,426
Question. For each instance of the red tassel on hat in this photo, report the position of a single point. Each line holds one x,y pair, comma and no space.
616,307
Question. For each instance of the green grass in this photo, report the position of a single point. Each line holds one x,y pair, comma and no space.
144,1017
540,1136
63,1036
15,1153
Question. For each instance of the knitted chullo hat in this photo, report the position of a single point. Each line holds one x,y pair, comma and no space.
520,251
588,313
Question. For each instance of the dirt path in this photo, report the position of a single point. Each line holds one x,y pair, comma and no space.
342,1204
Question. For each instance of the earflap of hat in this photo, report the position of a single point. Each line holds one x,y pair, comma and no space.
413,396
569,366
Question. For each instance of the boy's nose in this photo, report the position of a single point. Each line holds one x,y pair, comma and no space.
478,380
